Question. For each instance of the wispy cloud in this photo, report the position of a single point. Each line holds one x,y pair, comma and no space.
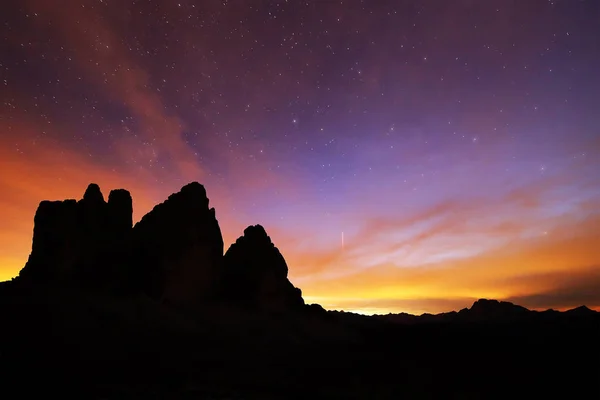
108,64
460,251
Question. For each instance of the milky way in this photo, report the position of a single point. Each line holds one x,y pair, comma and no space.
455,143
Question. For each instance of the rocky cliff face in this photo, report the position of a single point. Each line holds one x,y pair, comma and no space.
83,240
177,248
255,274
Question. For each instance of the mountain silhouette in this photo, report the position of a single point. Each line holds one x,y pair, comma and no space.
107,309
174,254
81,240
177,249
255,274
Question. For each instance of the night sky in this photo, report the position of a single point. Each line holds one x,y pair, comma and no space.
403,155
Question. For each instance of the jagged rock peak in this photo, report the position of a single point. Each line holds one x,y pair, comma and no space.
487,306
120,205
93,194
193,192
79,240
192,195
190,199
256,233
255,274
256,245
194,189
485,303
581,310
178,248
120,196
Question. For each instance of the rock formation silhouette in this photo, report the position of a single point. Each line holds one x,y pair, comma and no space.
173,254
83,240
255,274
177,249
490,310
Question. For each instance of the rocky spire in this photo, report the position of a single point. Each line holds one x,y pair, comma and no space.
75,239
120,209
93,194
178,248
256,274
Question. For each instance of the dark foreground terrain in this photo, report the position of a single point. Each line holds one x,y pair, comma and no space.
104,309
69,343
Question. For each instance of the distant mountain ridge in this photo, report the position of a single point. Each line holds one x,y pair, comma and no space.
482,310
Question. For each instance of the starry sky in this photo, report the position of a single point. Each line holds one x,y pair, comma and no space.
403,155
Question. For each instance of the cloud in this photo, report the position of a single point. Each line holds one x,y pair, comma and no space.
428,234
109,65
460,251
563,290
537,272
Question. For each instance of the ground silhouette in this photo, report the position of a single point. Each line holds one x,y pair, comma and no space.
106,309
